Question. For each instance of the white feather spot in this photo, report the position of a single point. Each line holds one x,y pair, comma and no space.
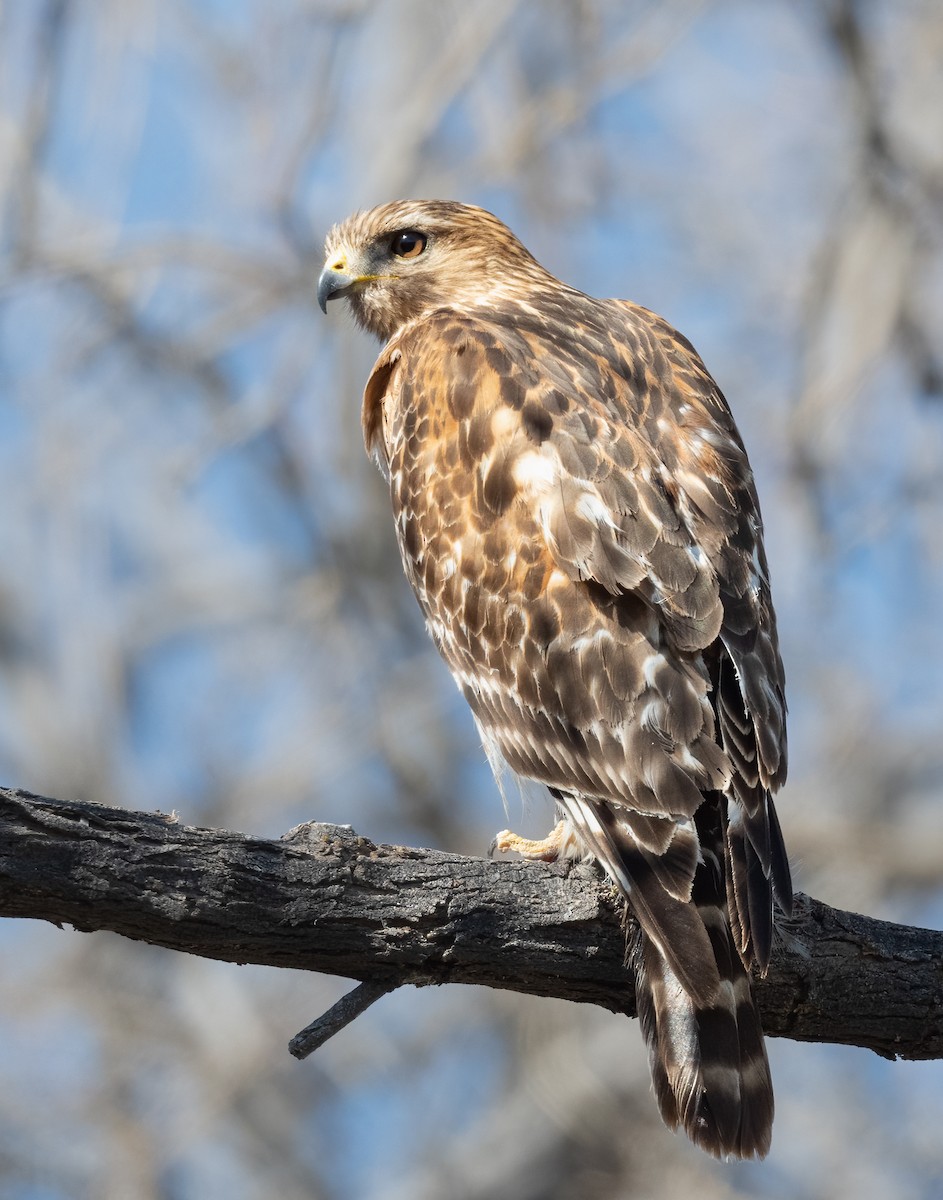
590,506
652,664
535,472
593,639
504,422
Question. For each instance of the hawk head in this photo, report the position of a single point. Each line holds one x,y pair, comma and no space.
405,259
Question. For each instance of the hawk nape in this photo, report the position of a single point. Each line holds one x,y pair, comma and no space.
578,520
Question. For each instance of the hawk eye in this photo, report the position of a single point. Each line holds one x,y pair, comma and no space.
408,244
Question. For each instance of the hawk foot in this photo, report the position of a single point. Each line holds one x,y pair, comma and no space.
555,845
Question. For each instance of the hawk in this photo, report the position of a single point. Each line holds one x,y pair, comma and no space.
578,519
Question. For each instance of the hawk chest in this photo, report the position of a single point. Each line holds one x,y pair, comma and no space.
470,549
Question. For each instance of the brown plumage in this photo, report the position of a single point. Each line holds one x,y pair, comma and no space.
578,519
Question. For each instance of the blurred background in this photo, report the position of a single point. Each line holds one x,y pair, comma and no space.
201,603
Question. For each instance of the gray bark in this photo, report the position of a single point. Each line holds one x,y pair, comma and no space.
324,899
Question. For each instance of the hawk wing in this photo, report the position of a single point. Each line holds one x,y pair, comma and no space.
611,462
578,518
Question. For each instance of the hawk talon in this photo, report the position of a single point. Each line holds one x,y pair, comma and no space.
547,849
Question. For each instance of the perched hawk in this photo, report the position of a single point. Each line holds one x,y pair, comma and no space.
578,519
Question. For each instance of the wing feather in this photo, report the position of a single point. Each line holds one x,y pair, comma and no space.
612,451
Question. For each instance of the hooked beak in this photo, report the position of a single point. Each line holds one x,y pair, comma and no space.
334,281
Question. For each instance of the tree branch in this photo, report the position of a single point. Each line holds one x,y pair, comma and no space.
324,899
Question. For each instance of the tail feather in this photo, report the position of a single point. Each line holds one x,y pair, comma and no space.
691,961
709,1067
672,925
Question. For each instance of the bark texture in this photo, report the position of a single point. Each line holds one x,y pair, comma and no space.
324,899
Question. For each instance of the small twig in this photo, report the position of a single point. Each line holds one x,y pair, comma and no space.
313,1036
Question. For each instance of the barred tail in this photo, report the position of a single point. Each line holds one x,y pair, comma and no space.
694,995
709,1067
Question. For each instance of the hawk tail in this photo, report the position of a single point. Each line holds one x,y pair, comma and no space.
710,1072
694,995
